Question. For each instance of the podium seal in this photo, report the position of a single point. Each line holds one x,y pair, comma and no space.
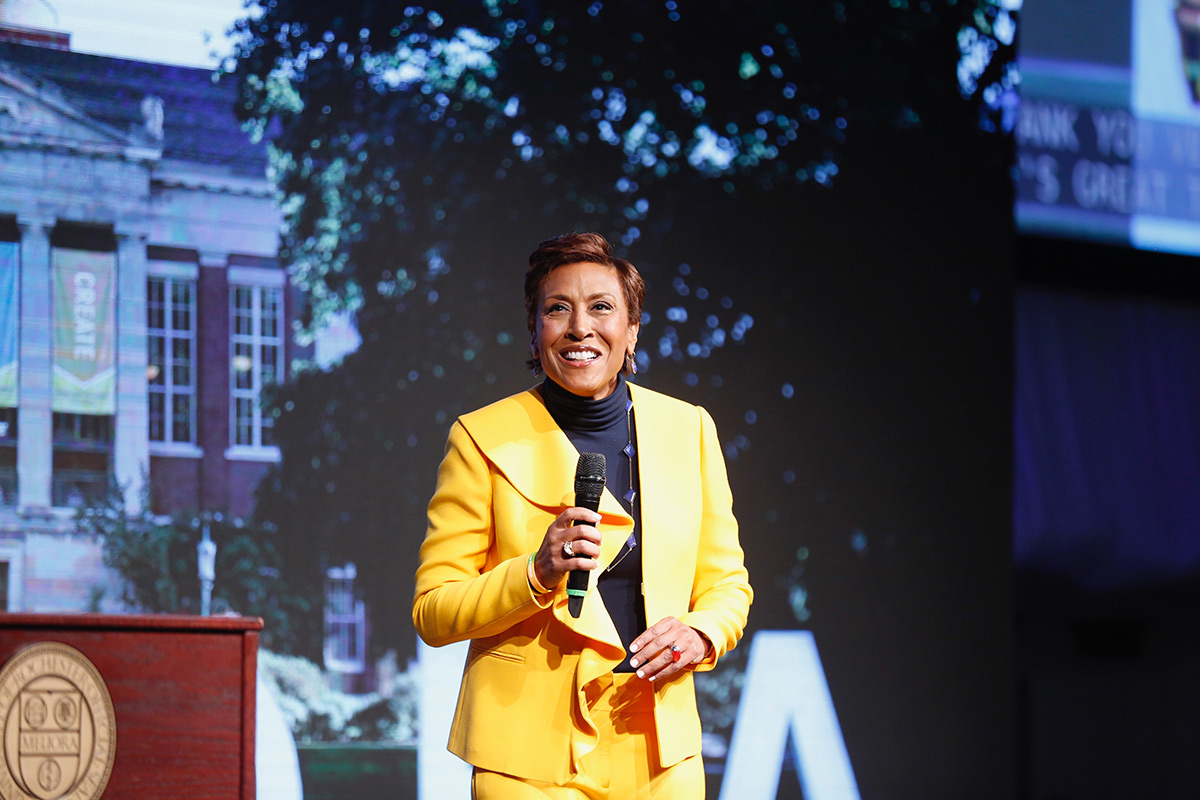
59,732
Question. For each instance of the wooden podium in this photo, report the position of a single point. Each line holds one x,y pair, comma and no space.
183,701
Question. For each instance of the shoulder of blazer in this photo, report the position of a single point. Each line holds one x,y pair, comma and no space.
659,401
662,418
520,438
505,429
516,416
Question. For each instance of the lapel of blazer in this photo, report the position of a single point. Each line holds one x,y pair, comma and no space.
665,432
522,440
520,437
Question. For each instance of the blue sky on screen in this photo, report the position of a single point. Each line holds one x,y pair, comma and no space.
183,32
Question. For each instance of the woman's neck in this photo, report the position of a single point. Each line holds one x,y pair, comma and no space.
573,412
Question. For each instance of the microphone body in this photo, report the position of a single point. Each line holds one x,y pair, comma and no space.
590,474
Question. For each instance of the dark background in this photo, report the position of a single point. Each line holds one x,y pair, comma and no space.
1107,463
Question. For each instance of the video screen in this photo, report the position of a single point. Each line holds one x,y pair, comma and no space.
1107,138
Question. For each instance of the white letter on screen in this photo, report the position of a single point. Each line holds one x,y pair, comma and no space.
785,690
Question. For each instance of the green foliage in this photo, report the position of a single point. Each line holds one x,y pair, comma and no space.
316,713
399,131
157,560
146,551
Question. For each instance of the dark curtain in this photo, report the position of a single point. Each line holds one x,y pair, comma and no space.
1107,438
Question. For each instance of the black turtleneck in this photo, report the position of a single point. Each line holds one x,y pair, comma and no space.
600,426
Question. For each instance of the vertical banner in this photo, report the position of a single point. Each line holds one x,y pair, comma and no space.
84,332
10,254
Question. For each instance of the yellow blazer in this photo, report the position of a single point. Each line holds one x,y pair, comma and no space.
508,472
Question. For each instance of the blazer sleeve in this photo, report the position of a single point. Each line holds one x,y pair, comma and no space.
460,593
721,593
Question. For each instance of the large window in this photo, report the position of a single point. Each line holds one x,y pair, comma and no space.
171,329
256,360
83,446
345,622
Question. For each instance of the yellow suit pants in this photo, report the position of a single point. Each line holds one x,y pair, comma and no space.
623,766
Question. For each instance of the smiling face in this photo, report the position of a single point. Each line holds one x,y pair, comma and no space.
582,330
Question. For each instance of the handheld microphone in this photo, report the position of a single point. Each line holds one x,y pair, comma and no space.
590,474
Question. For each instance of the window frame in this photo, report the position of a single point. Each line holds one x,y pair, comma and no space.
172,274
345,622
261,284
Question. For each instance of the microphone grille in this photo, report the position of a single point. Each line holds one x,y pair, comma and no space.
591,470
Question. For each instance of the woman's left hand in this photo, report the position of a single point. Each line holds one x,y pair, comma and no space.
666,649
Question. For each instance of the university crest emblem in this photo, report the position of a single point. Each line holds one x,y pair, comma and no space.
58,726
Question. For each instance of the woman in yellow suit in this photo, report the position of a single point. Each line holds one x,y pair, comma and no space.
600,705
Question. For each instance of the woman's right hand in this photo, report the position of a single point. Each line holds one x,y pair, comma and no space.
551,564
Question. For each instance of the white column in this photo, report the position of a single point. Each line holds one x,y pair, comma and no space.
35,445
131,446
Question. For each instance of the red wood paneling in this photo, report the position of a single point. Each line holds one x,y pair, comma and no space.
183,693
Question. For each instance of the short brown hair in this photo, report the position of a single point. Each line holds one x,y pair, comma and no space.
578,248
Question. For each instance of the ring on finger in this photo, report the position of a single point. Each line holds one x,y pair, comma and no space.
676,653
568,550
